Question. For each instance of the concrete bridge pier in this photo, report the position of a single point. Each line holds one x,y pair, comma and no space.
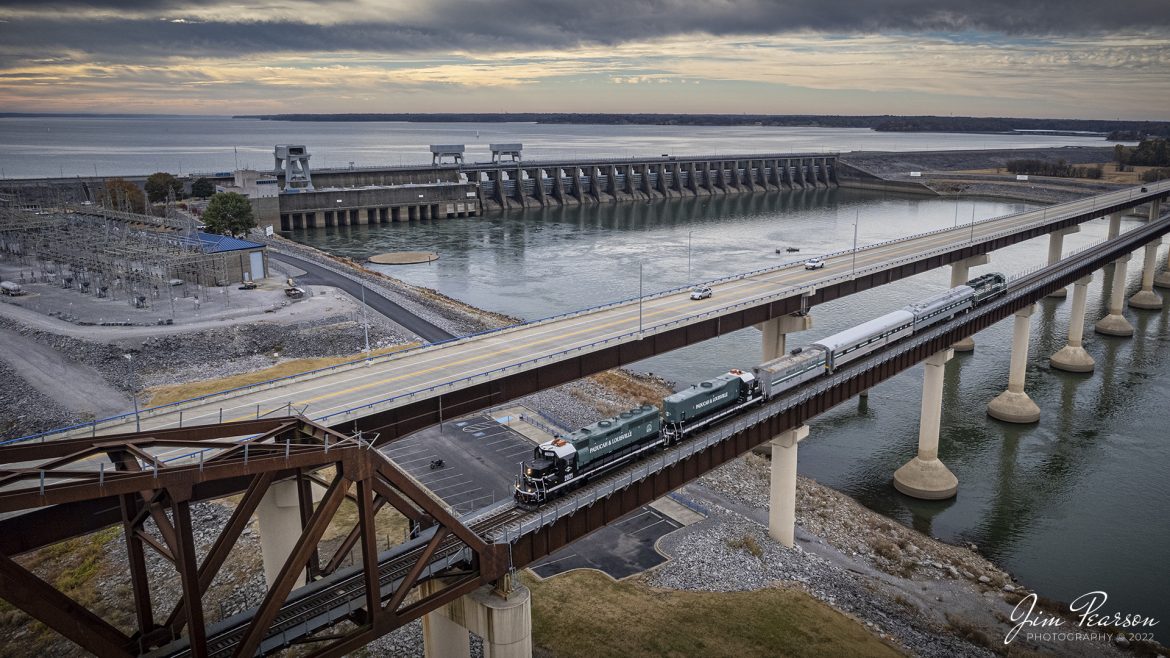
925,476
1056,250
279,514
505,624
782,495
1162,279
1114,226
1073,357
775,333
1146,298
1014,405
1114,323
960,274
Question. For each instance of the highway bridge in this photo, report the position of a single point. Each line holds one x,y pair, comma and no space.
448,558
397,394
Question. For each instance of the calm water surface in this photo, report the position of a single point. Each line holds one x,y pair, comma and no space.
1074,504
60,146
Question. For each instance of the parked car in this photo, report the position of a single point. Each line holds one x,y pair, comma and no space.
700,292
814,263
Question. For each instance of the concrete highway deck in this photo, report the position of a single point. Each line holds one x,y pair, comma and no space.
386,381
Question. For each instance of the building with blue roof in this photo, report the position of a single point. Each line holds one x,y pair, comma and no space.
244,260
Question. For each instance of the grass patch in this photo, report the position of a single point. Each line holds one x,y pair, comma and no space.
634,389
887,549
974,634
72,567
167,394
746,543
588,614
1131,176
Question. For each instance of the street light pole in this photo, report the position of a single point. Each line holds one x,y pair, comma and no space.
690,234
972,222
133,390
639,301
365,319
856,221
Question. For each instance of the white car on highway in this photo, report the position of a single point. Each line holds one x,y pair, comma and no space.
814,263
700,292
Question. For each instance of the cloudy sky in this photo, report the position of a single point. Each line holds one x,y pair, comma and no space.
1043,58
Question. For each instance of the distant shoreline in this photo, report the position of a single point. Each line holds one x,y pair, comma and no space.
878,123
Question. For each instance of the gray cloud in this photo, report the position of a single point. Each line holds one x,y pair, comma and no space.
514,24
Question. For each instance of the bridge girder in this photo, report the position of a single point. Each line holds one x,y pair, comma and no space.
147,490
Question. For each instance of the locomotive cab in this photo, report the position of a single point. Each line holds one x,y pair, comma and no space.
551,465
539,468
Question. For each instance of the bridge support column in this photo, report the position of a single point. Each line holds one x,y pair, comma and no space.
1055,251
1014,405
1115,324
782,496
504,624
960,274
1146,298
1073,357
925,476
776,332
279,513
1162,279
1114,226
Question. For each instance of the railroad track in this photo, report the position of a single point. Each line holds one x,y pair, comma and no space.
321,604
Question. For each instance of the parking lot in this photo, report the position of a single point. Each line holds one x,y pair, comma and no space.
481,459
621,549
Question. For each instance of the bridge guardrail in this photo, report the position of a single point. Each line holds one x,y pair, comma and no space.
1073,206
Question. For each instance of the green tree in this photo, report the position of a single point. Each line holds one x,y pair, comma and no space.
229,213
161,185
121,194
202,188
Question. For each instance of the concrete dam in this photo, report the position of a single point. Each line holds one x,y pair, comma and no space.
291,196
524,185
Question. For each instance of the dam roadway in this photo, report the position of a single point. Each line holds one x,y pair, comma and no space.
400,393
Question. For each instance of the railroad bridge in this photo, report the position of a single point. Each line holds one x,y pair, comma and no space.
60,486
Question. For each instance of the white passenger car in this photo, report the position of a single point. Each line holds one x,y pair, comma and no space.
814,263
700,292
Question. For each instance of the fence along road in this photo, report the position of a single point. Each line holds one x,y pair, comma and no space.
344,393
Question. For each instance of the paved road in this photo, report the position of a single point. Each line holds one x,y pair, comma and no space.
384,382
74,386
320,276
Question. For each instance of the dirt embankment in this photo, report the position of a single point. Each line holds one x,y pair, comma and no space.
890,164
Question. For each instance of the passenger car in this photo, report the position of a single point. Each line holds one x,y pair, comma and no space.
700,292
814,263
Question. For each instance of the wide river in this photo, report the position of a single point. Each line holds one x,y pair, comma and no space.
1073,504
